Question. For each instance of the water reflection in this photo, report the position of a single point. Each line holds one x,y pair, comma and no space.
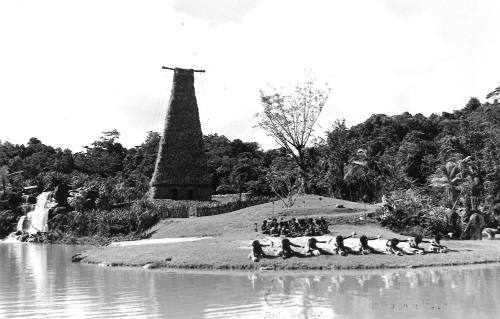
443,293
40,282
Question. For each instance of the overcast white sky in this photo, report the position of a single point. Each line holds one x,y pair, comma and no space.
72,69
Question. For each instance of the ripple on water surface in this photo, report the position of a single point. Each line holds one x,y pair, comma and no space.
39,281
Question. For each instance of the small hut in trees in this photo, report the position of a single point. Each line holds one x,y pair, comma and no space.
181,165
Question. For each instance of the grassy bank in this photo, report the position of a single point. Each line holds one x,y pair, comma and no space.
232,233
223,254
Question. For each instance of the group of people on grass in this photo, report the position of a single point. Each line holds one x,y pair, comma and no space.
338,248
295,227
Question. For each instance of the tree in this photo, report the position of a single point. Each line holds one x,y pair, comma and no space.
448,177
284,180
4,173
494,93
473,104
140,160
339,147
243,172
458,177
411,154
34,141
103,157
290,116
360,174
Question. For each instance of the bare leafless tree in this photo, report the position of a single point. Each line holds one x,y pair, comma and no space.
284,180
290,116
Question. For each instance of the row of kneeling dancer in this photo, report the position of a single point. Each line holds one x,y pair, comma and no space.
338,248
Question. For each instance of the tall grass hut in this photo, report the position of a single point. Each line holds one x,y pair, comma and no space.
181,165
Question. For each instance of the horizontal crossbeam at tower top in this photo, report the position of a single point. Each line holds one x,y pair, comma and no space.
173,69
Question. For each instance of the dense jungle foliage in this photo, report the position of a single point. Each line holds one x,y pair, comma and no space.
448,160
360,163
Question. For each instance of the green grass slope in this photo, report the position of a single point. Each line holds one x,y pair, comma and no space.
232,233
243,221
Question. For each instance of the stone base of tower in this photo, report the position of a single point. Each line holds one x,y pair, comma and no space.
177,192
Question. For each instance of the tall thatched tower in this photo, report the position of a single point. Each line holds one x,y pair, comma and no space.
181,166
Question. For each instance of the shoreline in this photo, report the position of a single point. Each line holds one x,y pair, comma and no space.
295,272
224,254
288,271
267,266
232,233
204,268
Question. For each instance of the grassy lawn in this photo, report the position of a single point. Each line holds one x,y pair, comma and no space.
232,233
242,221
219,253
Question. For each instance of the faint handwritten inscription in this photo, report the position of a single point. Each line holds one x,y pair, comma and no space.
411,306
284,315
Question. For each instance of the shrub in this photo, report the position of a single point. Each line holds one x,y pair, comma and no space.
435,220
259,188
76,201
10,200
137,219
8,221
49,180
412,212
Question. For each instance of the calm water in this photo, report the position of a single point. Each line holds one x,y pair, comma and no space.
40,282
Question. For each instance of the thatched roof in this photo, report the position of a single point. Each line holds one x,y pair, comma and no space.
181,157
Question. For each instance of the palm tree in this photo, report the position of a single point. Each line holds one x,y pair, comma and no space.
357,171
448,177
494,93
455,177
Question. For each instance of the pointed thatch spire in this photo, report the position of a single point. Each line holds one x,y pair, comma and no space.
181,166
